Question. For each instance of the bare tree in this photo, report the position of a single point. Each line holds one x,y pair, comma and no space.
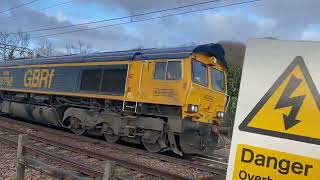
81,47
45,48
14,45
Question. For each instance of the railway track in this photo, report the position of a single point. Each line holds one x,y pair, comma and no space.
11,137
214,168
52,150
210,161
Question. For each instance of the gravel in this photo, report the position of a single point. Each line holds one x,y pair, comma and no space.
190,172
8,166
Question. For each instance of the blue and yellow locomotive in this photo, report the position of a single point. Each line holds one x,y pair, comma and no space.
166,99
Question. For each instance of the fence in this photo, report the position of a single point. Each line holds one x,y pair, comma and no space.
24,160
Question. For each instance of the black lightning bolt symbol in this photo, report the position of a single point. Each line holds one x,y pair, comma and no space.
295,102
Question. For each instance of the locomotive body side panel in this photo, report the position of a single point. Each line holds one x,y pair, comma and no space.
62,79
66,79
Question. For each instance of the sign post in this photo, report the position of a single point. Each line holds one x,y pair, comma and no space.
277,128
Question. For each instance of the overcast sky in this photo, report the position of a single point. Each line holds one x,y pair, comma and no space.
283,19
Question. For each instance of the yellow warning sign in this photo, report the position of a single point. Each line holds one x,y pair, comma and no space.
290,109
253,163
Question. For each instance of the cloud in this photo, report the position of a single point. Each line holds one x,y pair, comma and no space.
133,7
286,19
292,17
311,34
62,17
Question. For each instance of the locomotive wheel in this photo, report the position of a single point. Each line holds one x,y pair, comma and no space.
152,147
75,126
110,136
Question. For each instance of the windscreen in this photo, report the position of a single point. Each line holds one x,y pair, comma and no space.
199,73
218,80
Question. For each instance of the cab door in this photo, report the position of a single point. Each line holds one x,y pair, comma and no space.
134,80
162,82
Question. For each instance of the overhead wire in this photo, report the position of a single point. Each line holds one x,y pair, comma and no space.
118,18
41,9
147,19
18,6
56,5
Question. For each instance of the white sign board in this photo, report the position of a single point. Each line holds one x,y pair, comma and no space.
276,133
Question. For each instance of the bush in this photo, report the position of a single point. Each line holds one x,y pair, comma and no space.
234,78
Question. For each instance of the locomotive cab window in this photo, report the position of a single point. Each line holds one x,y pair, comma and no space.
90,80
109,80
170,70
199,73
114,81
160,70
217,80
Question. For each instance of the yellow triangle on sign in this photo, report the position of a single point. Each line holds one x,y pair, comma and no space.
290,109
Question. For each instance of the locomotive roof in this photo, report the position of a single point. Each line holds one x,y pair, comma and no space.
165,53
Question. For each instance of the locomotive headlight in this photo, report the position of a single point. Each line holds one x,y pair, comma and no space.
192,108
220,114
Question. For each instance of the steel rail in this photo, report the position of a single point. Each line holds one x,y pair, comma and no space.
121,162
72,164
218,168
